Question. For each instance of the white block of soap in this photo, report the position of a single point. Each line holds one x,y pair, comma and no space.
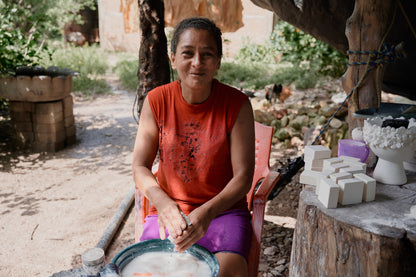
369,192
350,159
311,177
324,175
340,175
331,161
312,152
328,193
351,191
335,167
352,169
314,163
357,164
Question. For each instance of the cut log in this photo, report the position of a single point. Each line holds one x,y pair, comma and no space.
375,238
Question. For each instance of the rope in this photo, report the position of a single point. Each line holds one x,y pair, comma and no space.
383,56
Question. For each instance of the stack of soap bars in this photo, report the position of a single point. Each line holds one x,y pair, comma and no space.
340,180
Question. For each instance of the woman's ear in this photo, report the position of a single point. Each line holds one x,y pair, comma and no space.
172,59
219,64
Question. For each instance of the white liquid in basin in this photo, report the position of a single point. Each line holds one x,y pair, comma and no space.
164,264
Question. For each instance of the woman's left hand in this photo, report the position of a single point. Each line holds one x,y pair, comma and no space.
200,221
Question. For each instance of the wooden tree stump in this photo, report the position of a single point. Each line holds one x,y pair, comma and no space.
369,239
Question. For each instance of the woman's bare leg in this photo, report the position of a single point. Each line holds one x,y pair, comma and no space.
231,265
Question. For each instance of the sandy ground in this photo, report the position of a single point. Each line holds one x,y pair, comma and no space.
54,207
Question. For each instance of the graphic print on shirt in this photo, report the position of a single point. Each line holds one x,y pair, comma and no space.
185,155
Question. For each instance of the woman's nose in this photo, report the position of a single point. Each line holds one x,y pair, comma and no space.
196,61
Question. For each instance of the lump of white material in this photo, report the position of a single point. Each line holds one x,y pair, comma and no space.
357,133
388,137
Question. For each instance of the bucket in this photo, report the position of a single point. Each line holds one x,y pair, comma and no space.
353,148
126,255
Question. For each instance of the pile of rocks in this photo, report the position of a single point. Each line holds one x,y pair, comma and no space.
301,116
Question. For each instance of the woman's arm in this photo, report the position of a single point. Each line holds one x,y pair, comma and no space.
144,153
242,159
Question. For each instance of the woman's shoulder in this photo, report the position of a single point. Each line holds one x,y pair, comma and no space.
164,90
229,91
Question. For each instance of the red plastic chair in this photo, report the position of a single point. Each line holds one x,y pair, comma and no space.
263,182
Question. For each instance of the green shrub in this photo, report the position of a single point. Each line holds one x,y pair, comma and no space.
126,71
89,61
309,60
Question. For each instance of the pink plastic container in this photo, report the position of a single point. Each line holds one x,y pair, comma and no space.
353,148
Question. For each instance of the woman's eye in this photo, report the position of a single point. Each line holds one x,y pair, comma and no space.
187,54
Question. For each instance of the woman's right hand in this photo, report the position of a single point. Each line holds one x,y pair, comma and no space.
170,217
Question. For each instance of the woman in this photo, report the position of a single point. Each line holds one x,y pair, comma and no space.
204,132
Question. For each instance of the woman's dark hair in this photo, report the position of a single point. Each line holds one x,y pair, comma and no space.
199,23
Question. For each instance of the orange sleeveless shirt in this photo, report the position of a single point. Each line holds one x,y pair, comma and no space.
194,143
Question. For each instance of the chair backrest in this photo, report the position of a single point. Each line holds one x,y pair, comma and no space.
263,142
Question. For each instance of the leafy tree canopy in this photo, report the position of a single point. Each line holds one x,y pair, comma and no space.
27,25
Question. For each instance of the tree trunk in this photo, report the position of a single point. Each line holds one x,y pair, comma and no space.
375,238
153,57
365,31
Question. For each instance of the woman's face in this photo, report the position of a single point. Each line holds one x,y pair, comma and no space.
196,59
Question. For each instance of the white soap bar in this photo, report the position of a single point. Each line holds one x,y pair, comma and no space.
356,164
352,169
324,174
311,177
350,159
335,167
351,191
309,167
328,193
331,161
314,163
340,175
369,193
312,152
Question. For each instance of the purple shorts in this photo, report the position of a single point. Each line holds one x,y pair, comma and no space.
229,232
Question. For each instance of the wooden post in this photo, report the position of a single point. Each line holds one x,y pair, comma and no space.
365,30
153,58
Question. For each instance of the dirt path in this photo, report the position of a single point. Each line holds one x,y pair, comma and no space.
54,207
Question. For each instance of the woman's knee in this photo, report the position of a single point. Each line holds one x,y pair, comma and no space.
232,265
